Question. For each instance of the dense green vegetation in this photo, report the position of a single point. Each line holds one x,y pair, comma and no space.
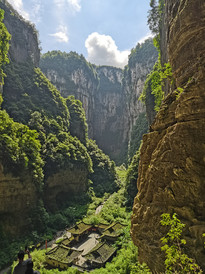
78,124
131,180
19,148
30,98
139,129
104,176
176,260
4,46
142,52
28,90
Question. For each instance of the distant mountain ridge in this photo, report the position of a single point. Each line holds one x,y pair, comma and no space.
109,95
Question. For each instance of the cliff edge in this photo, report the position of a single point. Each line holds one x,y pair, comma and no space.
172,166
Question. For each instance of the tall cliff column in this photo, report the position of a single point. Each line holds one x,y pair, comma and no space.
172,166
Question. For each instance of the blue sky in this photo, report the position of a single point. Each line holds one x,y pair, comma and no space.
104,31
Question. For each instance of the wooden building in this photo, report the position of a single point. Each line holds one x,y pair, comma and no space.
62,257
99,255
113,231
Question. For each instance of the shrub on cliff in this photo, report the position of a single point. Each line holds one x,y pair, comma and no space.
19,148
27,90
104,177
4,45
78,124
139,129
176,260
131,180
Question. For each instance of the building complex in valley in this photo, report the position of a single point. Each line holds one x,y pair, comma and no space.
85,246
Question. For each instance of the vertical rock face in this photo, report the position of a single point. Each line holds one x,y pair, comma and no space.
141,62
64,185
24,39
172,167
79,84
110,124
18,197
109,95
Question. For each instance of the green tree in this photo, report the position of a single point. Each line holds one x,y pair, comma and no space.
4,46
176,260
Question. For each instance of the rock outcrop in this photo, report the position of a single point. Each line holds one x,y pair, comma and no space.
64,185
172,166
18,196
24,45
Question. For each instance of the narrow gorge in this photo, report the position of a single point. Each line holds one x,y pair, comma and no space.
76,136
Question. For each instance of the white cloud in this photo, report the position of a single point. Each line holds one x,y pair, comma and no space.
102,50
36,9
61,35
73,5
18,5
149,35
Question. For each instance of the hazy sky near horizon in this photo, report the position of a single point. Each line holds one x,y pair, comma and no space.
104,31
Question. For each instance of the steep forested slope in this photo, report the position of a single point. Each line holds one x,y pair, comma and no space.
44,158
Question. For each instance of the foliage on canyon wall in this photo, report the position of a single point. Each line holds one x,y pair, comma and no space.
104,177
4,46
142,52
78,124
140,128
19,148
131,179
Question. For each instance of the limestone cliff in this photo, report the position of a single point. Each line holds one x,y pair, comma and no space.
110,122
24,42
18,197
172,166
109,95
64,185
141,62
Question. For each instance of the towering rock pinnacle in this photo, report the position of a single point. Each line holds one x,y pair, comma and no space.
172,166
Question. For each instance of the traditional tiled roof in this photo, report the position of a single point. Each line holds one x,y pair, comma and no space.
100,253
102,226
79,228
67,241
114,230
63,254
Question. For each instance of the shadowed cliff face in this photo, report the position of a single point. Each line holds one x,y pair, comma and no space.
17,198
64,185
172,166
